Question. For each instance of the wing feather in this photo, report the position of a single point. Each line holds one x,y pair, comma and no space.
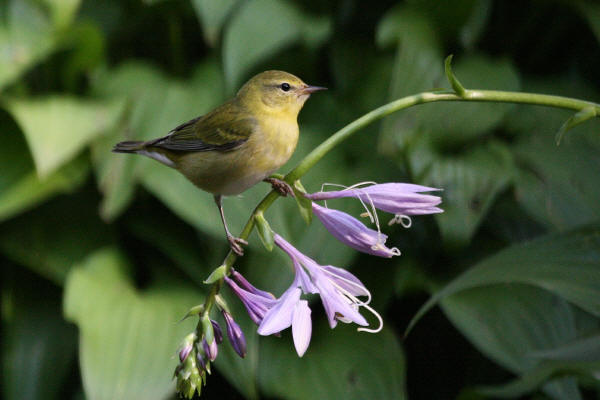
225,128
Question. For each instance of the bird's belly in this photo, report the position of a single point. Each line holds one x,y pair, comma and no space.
232,172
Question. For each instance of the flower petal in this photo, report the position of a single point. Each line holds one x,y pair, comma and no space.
346,280
354,233
337,306
279,317
301,327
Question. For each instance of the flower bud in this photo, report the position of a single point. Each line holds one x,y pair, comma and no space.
235,335
211,350
217,330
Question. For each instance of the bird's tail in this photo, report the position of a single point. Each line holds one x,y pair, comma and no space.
129,147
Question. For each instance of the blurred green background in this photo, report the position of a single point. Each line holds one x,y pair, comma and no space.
102,253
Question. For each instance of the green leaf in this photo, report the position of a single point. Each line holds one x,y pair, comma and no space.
567,264
213,14
25,39
556,184
261,28
454,82
62,12
334,367
418,67
264,231
30,190
304,204
470,182
49,239
584,349
20,187
591,12
218,273
576,119
127,338
458,122
476,24
39,346
58,127
508,322
530,381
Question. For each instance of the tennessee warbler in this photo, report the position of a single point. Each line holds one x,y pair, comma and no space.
239,143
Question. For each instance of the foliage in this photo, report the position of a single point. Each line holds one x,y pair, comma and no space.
124,243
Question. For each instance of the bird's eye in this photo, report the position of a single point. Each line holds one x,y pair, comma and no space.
285,86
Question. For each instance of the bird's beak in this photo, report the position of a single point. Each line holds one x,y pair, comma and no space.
310,89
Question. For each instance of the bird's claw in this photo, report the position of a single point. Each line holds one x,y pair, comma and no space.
280,186
236,244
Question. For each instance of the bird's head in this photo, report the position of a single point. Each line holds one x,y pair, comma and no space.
276,92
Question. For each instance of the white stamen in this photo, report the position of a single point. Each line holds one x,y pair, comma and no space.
359,303
348,281
403,220
376,314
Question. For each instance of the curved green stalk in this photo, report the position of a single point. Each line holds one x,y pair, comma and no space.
426,97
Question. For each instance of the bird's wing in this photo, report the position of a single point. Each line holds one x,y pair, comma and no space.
223,129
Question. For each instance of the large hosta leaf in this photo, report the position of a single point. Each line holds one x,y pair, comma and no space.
335,366
470,182
263,27
20,186
38,346
49,240
508,323
567,264
128,338
58,127
418,67
213,15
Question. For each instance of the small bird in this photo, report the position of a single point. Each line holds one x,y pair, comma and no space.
239,143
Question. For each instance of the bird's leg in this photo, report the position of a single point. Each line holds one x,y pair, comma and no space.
234,242
280,186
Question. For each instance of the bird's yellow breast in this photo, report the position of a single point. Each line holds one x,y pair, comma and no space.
231,172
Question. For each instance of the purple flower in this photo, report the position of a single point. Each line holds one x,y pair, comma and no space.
211,350
354,233
337,288
235,335
257,302
400,199
217,331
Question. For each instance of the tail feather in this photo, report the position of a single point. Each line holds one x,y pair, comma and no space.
129,147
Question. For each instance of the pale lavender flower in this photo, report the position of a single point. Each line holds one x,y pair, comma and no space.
354,233
338,290
292,311
400,199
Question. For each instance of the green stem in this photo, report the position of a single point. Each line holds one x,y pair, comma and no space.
426,97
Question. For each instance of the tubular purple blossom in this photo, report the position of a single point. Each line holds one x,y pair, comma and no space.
338,290
354,233
257,302
400,199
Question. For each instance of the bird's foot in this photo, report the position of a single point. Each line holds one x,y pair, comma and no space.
236,244
280,186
